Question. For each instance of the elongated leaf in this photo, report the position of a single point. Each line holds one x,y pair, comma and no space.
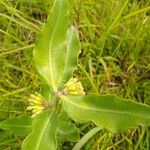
108,111
85,138
43,136
57,49
71,54
19,126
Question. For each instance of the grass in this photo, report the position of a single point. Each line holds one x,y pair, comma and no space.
115,58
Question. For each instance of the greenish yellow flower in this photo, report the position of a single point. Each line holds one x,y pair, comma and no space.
73,87
36,104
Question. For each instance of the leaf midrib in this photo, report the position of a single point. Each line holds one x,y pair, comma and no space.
104,110
50,48
42,132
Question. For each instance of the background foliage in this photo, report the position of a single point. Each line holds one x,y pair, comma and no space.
115,59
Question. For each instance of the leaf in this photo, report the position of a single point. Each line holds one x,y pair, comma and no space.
46,93
72,53
56,50
108,111
43,135
85,138
18,126
68,130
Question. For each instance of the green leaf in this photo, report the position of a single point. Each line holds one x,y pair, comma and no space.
85,138
19,126
43,135
46,93
57,49
108,111
68,130
71,54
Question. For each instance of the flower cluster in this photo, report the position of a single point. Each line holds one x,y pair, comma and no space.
73,87
36,104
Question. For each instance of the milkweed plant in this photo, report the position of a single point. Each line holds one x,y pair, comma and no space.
55,57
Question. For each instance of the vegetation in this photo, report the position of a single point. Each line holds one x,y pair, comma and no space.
114,59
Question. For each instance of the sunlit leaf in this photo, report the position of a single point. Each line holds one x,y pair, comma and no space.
57,48
71,54
43,135
109,111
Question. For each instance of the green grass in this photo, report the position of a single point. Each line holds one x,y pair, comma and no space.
115,58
